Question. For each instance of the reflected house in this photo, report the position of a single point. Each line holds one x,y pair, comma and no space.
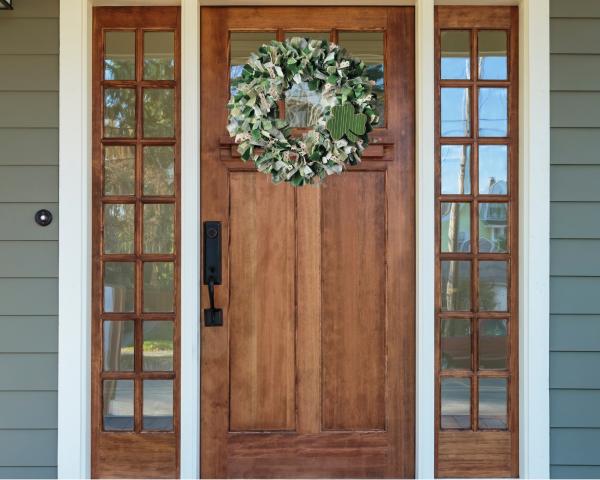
493,227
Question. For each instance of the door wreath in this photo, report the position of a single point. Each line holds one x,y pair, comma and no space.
340,133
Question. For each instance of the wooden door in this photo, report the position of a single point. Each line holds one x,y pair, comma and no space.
312,373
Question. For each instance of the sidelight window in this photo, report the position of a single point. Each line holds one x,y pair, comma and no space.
476,205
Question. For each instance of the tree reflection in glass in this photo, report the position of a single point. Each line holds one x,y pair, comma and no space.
119,112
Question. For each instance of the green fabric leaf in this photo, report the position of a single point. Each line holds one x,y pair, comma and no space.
346,122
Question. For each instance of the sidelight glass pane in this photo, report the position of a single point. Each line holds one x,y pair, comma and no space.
456,169
119,112
119,286
493,112
493,227
456,343
159,227
493,169
119,55
119,170
456,112
159,170
493,286
159,112
159,55
369,47
456,403
117,409
158,346
158,287
455,231
118,345
158,405
242,44
119,226
493,344
456,285
492,54
493,403
456,54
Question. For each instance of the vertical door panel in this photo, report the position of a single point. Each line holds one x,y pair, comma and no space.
262,256
353,301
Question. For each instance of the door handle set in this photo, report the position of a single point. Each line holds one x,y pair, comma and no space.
213,317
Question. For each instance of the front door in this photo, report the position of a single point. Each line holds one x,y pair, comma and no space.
312,372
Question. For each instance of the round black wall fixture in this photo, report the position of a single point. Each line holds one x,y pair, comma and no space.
43,218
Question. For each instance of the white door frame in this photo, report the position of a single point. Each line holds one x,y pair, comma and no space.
74,370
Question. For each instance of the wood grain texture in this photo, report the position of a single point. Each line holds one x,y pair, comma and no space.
353,301
342,303
262,315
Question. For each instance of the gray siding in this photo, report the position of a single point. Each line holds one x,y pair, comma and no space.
575,239
28,253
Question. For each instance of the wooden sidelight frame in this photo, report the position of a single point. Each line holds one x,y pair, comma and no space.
137,452
475,450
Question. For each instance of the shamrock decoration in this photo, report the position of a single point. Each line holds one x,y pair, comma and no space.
346,122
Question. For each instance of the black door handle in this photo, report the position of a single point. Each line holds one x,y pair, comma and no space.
213,317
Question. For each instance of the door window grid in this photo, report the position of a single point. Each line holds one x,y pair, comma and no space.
374,40
145,390
472,259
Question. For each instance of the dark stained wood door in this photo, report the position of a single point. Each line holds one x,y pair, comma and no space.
312,373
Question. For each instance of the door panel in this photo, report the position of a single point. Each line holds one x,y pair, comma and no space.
353,301
312,372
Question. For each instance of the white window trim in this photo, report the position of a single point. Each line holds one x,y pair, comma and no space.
75,231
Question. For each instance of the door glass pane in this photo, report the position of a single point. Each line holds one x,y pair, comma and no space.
119,227
159,171
242,44
158,287
159,228
493,227
456,285
119,55
158,346
492,54
158,405
493,344
302,105
456,112
456,169
118,345
119,112
493,169
159,55
308,35
455,227
493,112
456,54
456,343
492,403
119,286
118,405
493,286
369,47
456,403
119,170
159,112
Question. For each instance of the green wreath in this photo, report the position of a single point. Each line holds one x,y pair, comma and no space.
340,133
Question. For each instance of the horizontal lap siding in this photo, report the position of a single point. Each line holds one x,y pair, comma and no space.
28,253
575,239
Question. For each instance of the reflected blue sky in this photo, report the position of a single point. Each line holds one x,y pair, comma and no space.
493,160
